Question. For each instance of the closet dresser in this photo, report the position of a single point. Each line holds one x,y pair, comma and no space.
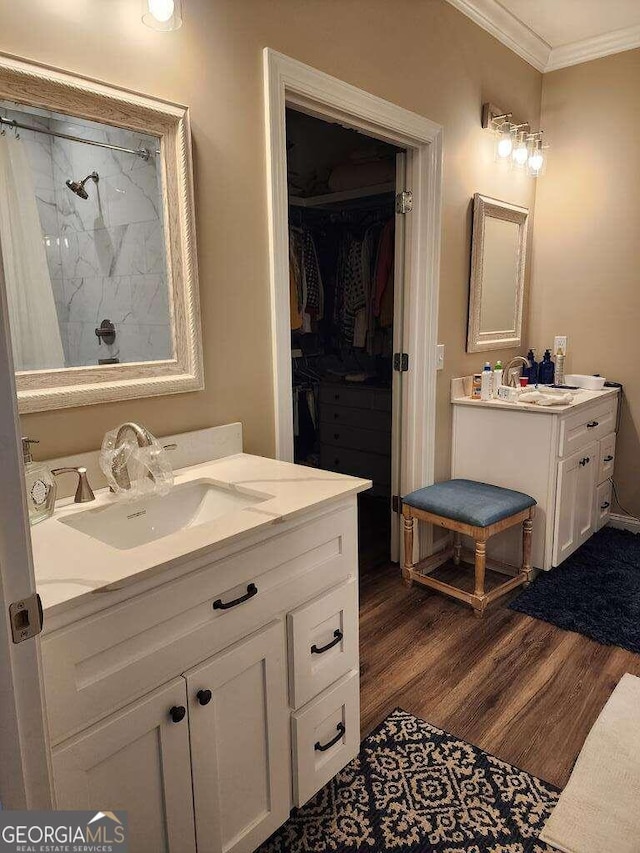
355,432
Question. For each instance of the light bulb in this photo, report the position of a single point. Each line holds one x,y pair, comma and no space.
162,10
536,161
521,151
505,146
163,15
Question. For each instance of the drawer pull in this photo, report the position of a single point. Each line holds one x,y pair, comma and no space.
319,747
608,459
178,713
204,696
252,590
585,460
338,635
592,424
605,505
336,435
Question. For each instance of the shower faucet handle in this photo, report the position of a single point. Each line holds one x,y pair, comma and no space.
106,332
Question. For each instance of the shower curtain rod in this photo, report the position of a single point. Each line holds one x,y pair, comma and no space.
144,153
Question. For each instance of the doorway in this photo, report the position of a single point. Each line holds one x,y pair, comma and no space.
290,84
346,287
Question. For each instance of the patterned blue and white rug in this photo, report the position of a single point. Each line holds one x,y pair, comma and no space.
416,789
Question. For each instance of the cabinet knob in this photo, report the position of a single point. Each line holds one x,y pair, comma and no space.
605,505
178,713
204,696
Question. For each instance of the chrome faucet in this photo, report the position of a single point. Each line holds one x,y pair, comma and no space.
509,374
119,465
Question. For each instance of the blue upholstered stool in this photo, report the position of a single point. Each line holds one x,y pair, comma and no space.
471,509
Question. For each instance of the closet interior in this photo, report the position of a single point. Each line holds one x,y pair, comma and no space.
342,187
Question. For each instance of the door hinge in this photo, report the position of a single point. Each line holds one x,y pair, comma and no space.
26,618
404,202
396,503
401,362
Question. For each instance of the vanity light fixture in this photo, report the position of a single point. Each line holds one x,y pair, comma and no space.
515,144
162,15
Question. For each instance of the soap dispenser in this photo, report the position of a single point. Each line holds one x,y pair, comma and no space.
547,369
41,486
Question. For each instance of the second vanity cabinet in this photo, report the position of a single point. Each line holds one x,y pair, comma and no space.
563,457
207,706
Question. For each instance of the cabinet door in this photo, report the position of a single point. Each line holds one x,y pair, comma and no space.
240,751
574,521
136,760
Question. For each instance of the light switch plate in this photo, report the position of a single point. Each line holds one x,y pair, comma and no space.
560,341
439,356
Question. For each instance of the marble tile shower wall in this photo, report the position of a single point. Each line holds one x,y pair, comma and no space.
106,253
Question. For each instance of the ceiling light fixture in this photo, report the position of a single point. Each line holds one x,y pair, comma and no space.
162,15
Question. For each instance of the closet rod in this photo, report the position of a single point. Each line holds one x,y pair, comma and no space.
144,153
329,199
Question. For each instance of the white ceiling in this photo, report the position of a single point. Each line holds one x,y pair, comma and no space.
553,34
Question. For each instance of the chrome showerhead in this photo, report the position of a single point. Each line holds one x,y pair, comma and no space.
77,187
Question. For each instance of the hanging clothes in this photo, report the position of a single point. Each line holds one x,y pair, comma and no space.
384,264
305,281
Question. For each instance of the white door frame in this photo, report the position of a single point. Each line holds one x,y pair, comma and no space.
25,780
287,83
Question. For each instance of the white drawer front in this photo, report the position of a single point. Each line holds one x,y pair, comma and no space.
323,642
105,661
326,736
603,504
579,430
607,457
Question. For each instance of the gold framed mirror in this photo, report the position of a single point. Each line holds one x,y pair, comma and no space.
97,240
498,263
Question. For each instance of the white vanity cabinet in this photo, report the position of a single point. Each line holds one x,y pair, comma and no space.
563,457
210,703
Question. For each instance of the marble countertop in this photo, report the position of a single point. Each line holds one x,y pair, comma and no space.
70,566
580,398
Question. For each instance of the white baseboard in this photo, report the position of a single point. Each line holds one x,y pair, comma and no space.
624,522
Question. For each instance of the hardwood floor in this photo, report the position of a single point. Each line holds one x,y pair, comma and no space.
522,689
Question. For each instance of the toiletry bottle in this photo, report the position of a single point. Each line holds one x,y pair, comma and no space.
497,377
533,371
41,486
486,381
476,386
546,370
560,367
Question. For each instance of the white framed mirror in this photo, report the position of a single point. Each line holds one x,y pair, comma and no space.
97,240
498,263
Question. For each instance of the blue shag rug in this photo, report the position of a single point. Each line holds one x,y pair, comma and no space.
414,788
595,592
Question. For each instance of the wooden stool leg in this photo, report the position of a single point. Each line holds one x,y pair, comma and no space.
457,548
527,530
481,565
407,568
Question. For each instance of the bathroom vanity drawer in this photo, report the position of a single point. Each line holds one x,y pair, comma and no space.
323,642
326,736
576,431
103,662
607,457
603,504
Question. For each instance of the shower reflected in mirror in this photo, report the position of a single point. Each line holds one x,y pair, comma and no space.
77,187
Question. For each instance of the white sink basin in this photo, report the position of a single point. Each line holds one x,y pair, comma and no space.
130,524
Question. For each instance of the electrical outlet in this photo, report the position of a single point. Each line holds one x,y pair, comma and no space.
560,343
439,356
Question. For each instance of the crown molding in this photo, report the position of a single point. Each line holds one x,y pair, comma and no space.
594,48
507,28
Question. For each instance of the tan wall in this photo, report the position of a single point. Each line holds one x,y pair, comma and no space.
421,54
586,273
